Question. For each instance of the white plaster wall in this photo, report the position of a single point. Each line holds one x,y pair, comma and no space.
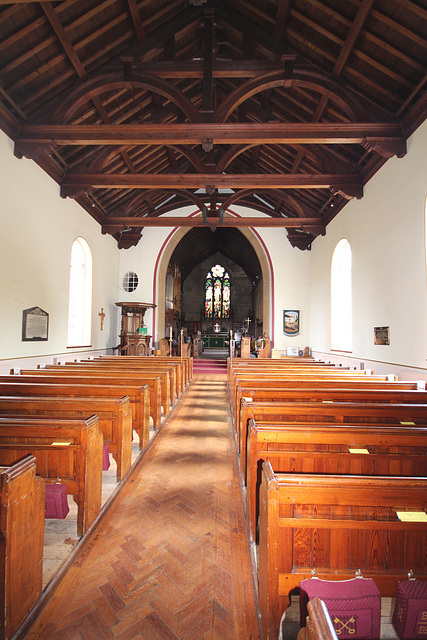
38,228
386,230
290,268
143,260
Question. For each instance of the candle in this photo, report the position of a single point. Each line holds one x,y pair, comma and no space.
170,333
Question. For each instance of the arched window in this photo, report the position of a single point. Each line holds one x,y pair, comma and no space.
217,293
341,298
80,298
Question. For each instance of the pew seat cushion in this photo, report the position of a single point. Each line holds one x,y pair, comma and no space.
410,611
56,501
105,458
354,605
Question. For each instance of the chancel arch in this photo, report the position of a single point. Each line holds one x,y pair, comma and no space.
206,250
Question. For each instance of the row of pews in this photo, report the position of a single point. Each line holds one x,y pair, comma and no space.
335,468
55,422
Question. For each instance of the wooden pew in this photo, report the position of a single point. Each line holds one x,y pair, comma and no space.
186,363
78,464
253,363
297,379
335,412
115,418
139,396
22,508
260,389
171,375
336,524
319,624
379,450
158,383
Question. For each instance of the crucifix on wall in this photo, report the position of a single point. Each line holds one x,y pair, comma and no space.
102,316
216,327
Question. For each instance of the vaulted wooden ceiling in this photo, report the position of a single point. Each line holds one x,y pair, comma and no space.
138,108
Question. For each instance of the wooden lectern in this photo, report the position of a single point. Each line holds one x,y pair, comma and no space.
134,340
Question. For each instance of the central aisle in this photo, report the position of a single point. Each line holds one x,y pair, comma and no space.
170,559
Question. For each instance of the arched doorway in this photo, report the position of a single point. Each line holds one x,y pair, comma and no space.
257,246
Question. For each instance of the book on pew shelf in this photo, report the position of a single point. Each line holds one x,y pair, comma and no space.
412,516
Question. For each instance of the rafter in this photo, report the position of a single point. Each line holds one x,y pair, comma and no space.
136,20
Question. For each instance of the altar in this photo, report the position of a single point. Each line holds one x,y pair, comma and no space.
216,340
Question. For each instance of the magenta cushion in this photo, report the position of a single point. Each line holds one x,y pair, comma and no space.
410,611
354,605
105,458
56,501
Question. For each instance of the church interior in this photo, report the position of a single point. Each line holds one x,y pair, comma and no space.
213,407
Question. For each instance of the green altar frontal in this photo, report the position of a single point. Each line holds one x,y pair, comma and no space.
220,340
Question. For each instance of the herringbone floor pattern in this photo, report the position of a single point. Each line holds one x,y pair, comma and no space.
170,559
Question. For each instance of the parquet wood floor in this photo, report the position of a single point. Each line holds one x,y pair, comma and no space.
170,559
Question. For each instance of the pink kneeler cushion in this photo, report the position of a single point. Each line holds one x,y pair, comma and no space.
56,501
354,605
105,458
410,611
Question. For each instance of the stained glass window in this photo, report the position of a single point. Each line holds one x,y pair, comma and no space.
208,296
217,293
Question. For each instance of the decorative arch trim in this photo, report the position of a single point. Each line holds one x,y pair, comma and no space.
300,78
111,81
163,258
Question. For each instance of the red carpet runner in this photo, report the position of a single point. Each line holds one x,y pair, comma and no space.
204,365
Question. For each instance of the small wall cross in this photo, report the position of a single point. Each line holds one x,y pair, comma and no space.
102,316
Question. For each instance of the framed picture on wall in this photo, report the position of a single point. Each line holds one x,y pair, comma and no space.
291,322
382,335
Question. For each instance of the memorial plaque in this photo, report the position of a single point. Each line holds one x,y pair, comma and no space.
35,323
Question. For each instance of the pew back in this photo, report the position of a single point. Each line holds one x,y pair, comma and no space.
337,525
158,384
334,412
69,451
115,418
75,387
22,506
350,449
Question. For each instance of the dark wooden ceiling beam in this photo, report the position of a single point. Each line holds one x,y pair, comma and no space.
136,20
71,53
116,224
65,41
349,185
281,20
352,36
219,133
207,82
182,69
